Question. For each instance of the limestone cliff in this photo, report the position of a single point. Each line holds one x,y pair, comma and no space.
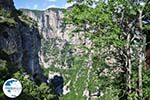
50,22
60,51
19,39
55,34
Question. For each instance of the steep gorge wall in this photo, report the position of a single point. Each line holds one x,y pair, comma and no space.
57,54
56,33
19,39
50,22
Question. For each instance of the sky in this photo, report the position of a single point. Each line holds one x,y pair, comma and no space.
41,4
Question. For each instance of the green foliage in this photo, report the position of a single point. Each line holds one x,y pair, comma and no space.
146,84
99,20
30,91
57,54
77,85
5,13
6,17
107,23
7,21
6,71
27,20
147,27
33,91
111,94
3,68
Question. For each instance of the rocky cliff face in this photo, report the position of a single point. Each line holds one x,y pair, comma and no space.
50,22
59,49
7,4
61,52
55,35
19,39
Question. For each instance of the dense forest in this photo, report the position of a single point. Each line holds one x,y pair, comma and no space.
119,52
111,63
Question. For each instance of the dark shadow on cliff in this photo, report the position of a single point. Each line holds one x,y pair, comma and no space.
58,83
20,43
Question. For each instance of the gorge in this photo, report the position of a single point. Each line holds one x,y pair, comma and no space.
93,50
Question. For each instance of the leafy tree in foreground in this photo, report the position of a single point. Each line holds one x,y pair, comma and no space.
30,91
119,24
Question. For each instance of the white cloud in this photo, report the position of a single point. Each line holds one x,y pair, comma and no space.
56,6
68,5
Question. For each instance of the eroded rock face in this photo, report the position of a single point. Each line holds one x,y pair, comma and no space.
51,27
9,4
30,47
19,41
50,22
10,43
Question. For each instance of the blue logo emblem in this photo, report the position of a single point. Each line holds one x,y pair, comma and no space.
12,88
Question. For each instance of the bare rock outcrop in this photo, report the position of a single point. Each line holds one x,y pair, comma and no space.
20,41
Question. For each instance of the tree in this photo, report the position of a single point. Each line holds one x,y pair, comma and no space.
118,24
30,89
